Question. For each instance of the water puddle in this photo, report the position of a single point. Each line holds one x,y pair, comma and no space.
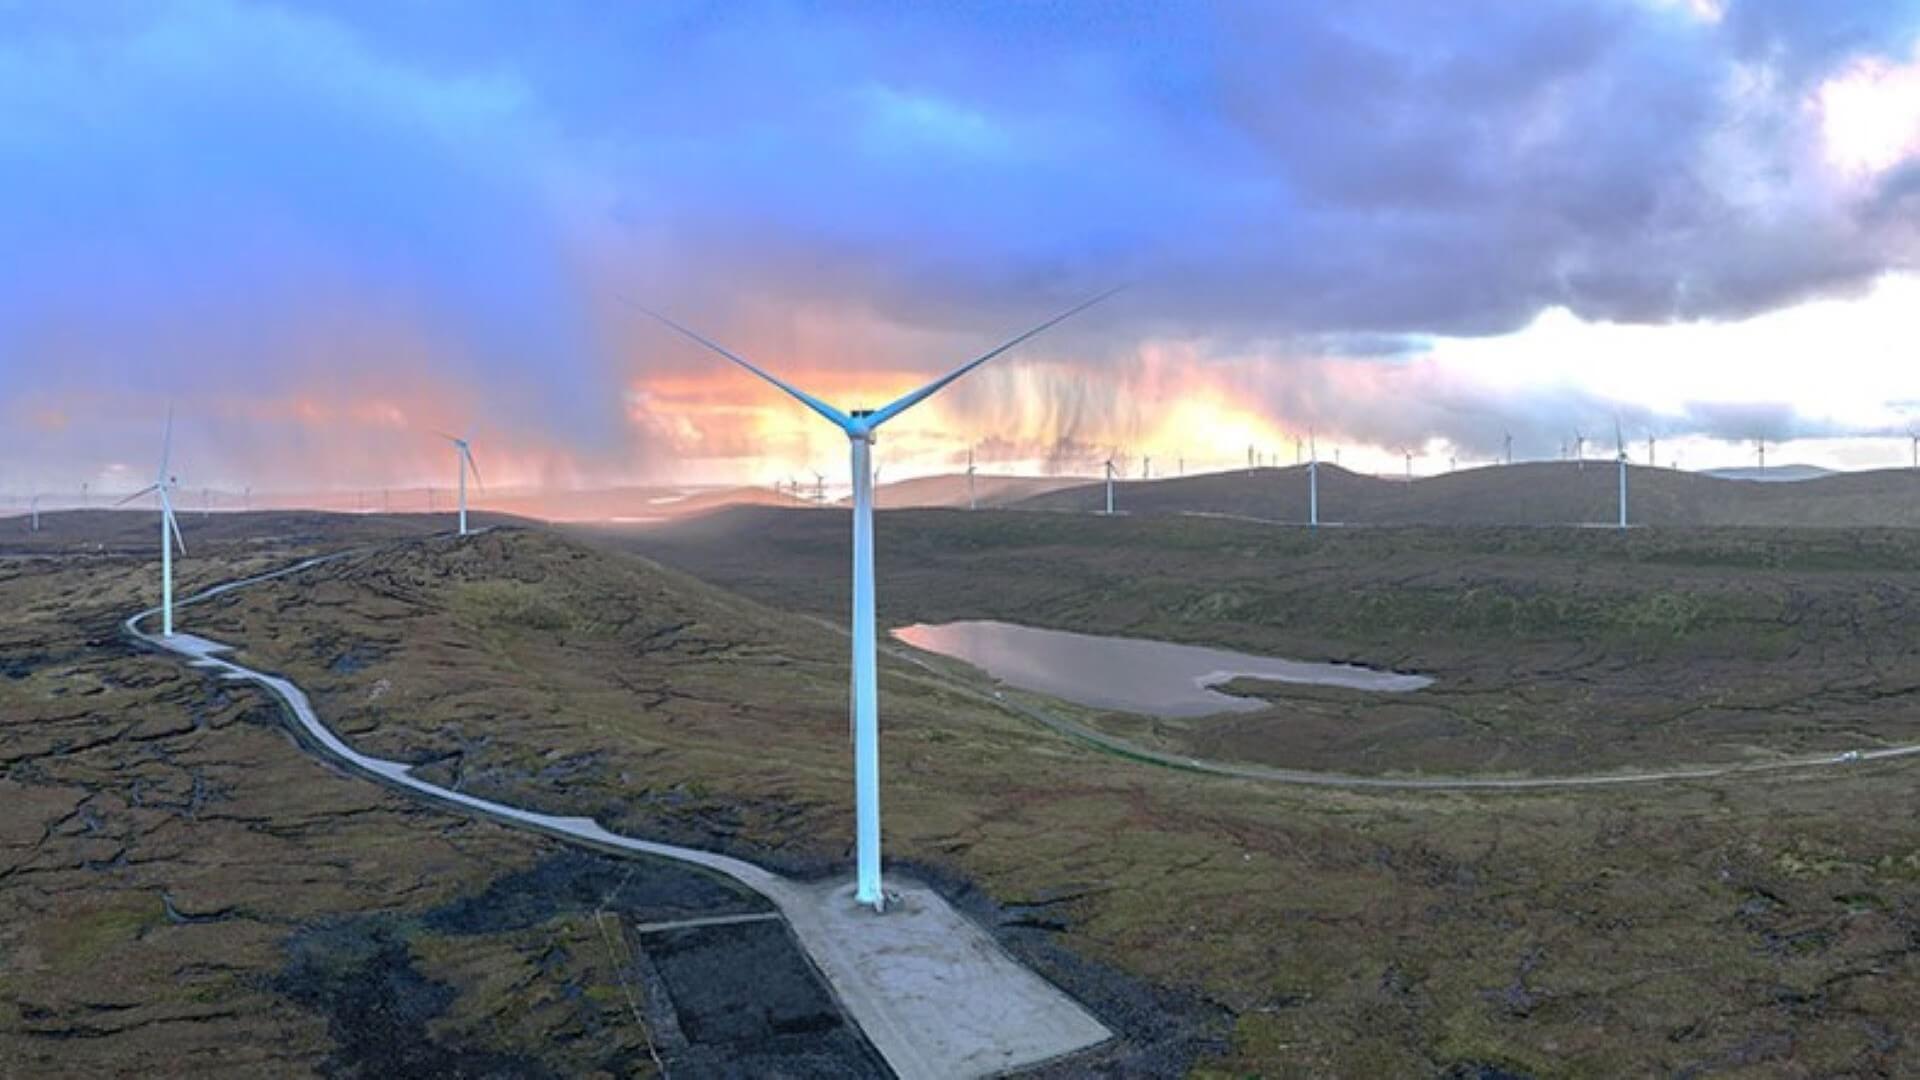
1157,678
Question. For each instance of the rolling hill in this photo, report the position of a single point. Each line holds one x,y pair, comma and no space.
1531,493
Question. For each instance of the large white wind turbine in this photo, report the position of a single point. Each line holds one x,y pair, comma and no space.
463,452
861,426
169,529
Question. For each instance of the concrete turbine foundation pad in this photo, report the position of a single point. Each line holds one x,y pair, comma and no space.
933,992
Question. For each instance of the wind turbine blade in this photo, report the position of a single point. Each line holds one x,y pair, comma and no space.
143,491
909,401
473,466
166,511
842,419
166,446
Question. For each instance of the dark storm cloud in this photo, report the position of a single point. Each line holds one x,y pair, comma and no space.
262,195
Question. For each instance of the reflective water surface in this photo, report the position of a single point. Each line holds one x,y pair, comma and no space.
1157,678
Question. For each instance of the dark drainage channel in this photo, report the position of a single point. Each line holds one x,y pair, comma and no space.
742,1000
736,998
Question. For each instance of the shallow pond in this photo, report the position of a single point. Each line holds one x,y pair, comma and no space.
1157,678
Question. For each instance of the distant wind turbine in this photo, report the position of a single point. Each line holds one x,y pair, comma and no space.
1761,445
820,488
1620,448
973,501
463,451
1109,467
1509,439
33,508
1915,437
1580,448
169,528
1146,467
1313,483
1651,460
1409,455
861,426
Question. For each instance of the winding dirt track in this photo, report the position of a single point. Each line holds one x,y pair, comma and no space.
933,993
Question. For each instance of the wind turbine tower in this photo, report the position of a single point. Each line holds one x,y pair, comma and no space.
1109,466
463,452
1509,451
33,508
169,529
1313,483
1580,449
1620,447
1761,445
861,427
973,501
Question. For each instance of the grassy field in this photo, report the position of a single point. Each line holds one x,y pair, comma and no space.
189,893
1754,927
1554,651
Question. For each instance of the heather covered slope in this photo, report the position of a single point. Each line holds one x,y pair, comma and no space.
1529,493
1355,933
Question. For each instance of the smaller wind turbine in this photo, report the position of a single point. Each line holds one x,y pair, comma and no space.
246,498
1914,436
169,529
973,501
1146,467
1580,448
1651,460
1761,445
1313,483
1409,456
33,507
1298,452
85,499
819,488
1109,466
1509,440
464,452
1620,448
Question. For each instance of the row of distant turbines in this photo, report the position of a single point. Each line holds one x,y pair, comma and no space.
165,483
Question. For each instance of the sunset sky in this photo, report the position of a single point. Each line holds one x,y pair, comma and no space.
323,232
